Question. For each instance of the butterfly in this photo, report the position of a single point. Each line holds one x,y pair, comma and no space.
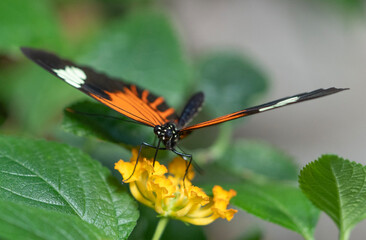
147,108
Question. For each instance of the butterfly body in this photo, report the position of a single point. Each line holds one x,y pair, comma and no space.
168,134
146,108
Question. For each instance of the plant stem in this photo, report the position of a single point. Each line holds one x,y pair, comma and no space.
160,228
308,237
223,140
344,234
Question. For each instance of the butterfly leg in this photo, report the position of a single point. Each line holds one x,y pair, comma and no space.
185,156
156,152
194,164
144,144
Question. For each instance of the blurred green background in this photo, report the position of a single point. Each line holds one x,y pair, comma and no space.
231,50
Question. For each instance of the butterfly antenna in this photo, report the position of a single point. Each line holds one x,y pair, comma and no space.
102,116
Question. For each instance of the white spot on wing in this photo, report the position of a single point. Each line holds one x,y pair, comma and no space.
72,75
280,104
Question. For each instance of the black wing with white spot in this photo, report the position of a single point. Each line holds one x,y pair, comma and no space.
128,99
264,107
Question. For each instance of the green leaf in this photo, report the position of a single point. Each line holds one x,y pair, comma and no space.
143,49
282,204
112,127
258,161
230,82
60,178
25,222
28,22
336,186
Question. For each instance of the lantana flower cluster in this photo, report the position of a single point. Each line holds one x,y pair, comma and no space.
163,189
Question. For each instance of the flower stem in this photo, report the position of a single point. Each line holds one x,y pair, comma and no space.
223,140
160,228
344,234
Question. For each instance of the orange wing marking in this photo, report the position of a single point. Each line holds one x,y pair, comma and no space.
134,89
167,113
157,102
125,110
144,109
218,120
144,95
131,105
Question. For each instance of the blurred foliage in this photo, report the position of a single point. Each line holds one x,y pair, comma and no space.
253,234
142,47
3,113
348,6
255,160
229,81
33,99
28,23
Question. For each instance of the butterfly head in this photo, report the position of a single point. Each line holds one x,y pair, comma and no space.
168,134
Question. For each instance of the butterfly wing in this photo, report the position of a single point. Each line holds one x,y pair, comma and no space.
262,108
191,109
127,99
